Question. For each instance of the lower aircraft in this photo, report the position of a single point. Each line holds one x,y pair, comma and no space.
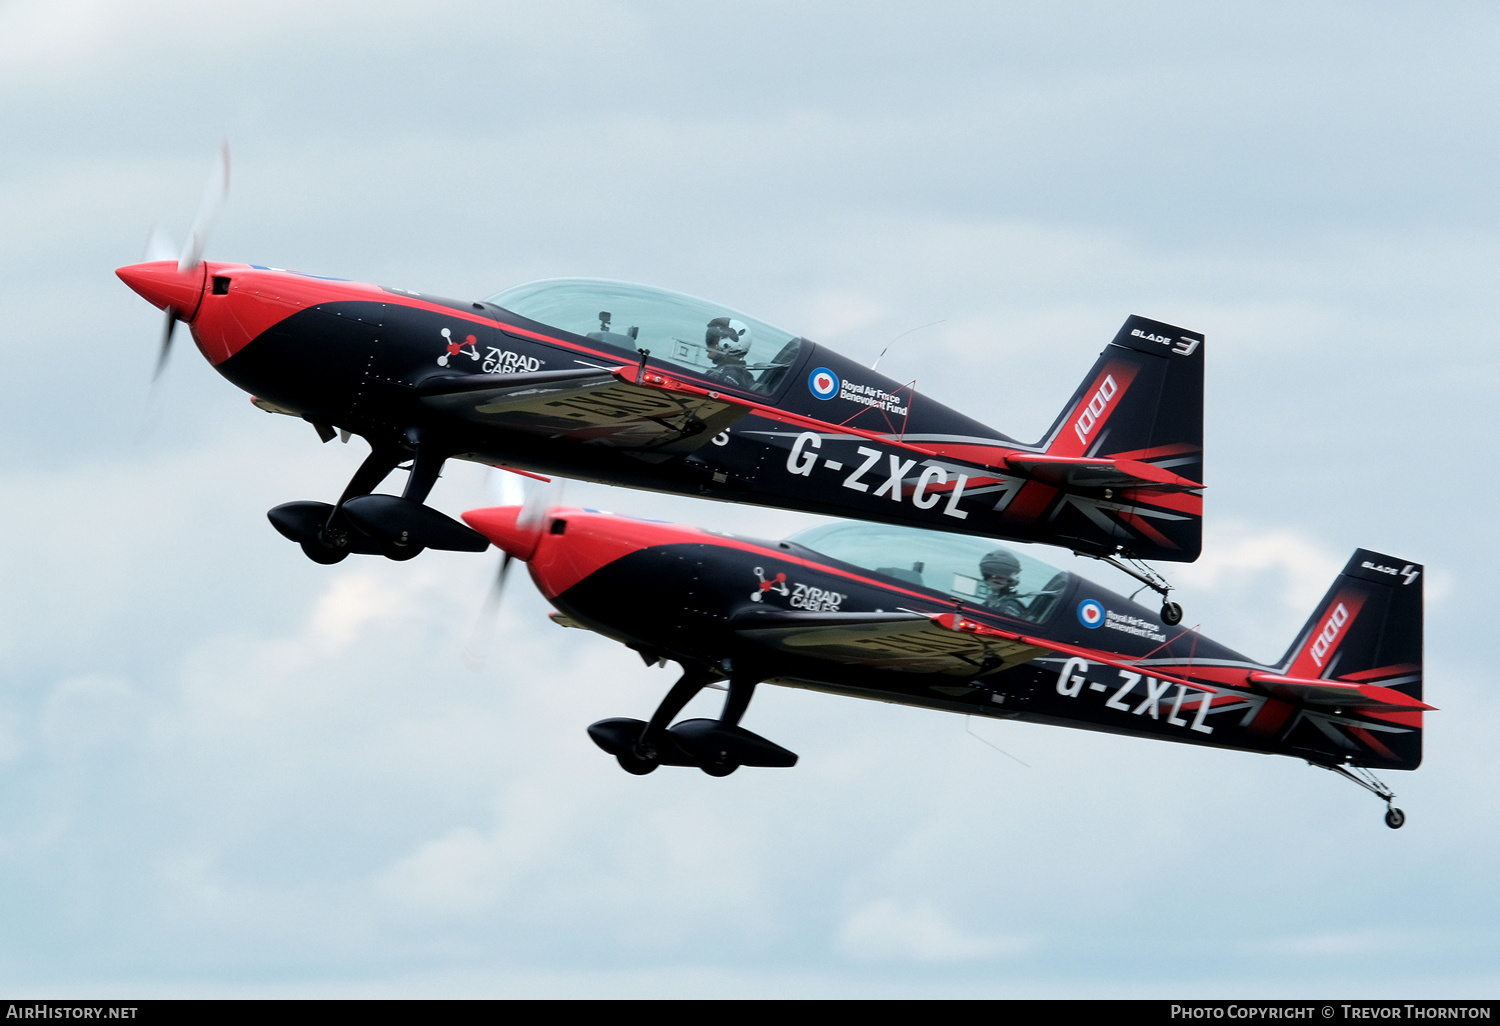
967,625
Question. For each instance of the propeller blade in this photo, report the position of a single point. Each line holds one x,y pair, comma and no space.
166,344
484,627
541,496
499,588
504,488
214,193
159,246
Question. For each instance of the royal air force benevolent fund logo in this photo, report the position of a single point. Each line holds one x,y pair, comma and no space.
1090,613
823,383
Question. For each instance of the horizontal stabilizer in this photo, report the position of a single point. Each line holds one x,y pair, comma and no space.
1076,472
1360,697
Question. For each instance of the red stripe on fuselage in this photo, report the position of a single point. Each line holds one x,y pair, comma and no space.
592,541
258,300
261,298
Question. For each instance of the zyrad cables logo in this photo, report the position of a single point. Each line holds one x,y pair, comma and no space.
823,383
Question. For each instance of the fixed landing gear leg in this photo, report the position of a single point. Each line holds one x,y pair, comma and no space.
1394,817
741,690
332,543
424,472
1171,612
688,685
639,747
322,529
376,467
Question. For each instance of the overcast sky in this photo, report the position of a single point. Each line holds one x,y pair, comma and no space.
226,770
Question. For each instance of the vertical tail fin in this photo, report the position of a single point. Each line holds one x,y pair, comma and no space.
1368,625
1366,631
1126,452
1143,401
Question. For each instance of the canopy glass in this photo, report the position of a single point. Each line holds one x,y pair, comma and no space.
707,338
978,571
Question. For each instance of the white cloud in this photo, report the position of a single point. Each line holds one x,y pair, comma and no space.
905,930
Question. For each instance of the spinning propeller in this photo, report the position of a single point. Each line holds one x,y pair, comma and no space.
177,290
536,496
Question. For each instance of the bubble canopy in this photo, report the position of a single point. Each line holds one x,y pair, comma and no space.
947,563
707,338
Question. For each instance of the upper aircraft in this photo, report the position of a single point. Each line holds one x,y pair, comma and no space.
643,387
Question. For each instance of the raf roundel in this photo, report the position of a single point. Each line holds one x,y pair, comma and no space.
823,383
1090,613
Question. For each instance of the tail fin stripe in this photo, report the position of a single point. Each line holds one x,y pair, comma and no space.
1099,401
1322,644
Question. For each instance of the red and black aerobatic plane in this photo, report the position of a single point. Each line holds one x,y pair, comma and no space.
962,624
638,386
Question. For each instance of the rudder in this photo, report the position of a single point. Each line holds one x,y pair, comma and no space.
1143,400
1127,449
1368,630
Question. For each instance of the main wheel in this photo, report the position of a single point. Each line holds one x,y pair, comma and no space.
401,553
720,770
325,554
1171,614
1395,818
632,763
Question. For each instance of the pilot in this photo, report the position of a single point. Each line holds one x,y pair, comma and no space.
727,341
1001,571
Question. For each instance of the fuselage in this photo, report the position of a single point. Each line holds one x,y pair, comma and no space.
670,591
823,434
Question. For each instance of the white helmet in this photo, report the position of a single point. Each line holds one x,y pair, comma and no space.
728,336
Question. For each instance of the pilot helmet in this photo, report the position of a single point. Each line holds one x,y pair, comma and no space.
1000,563
728,336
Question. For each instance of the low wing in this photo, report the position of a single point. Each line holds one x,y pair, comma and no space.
604,406
912,642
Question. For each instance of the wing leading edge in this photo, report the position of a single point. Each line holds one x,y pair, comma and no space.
603,406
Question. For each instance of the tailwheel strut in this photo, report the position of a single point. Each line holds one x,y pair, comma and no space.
1394,817
1171,612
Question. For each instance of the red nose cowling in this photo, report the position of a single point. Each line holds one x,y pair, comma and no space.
498,524
163,285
